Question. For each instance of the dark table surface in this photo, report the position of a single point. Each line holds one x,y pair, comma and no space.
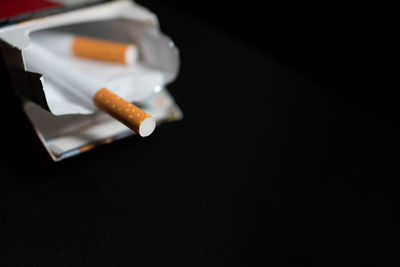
269,163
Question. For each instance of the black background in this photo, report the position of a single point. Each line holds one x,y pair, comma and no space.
287,153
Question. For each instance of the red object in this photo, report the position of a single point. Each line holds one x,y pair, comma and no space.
12,8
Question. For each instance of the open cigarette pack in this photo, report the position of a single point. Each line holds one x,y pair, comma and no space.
88,72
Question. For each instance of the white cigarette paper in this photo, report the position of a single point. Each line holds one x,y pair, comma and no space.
86,88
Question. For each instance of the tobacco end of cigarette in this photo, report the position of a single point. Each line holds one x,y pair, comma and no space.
127,113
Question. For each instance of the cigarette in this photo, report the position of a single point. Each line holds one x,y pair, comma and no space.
89,48
97,49
91,91
127,113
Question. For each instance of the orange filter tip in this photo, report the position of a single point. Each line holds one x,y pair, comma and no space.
127,113
97,49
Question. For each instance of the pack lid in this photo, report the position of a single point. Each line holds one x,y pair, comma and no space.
16,11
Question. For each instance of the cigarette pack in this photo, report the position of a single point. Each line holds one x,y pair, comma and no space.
65,122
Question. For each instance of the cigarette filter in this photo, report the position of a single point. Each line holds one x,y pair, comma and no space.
97,49
90,48
127,113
